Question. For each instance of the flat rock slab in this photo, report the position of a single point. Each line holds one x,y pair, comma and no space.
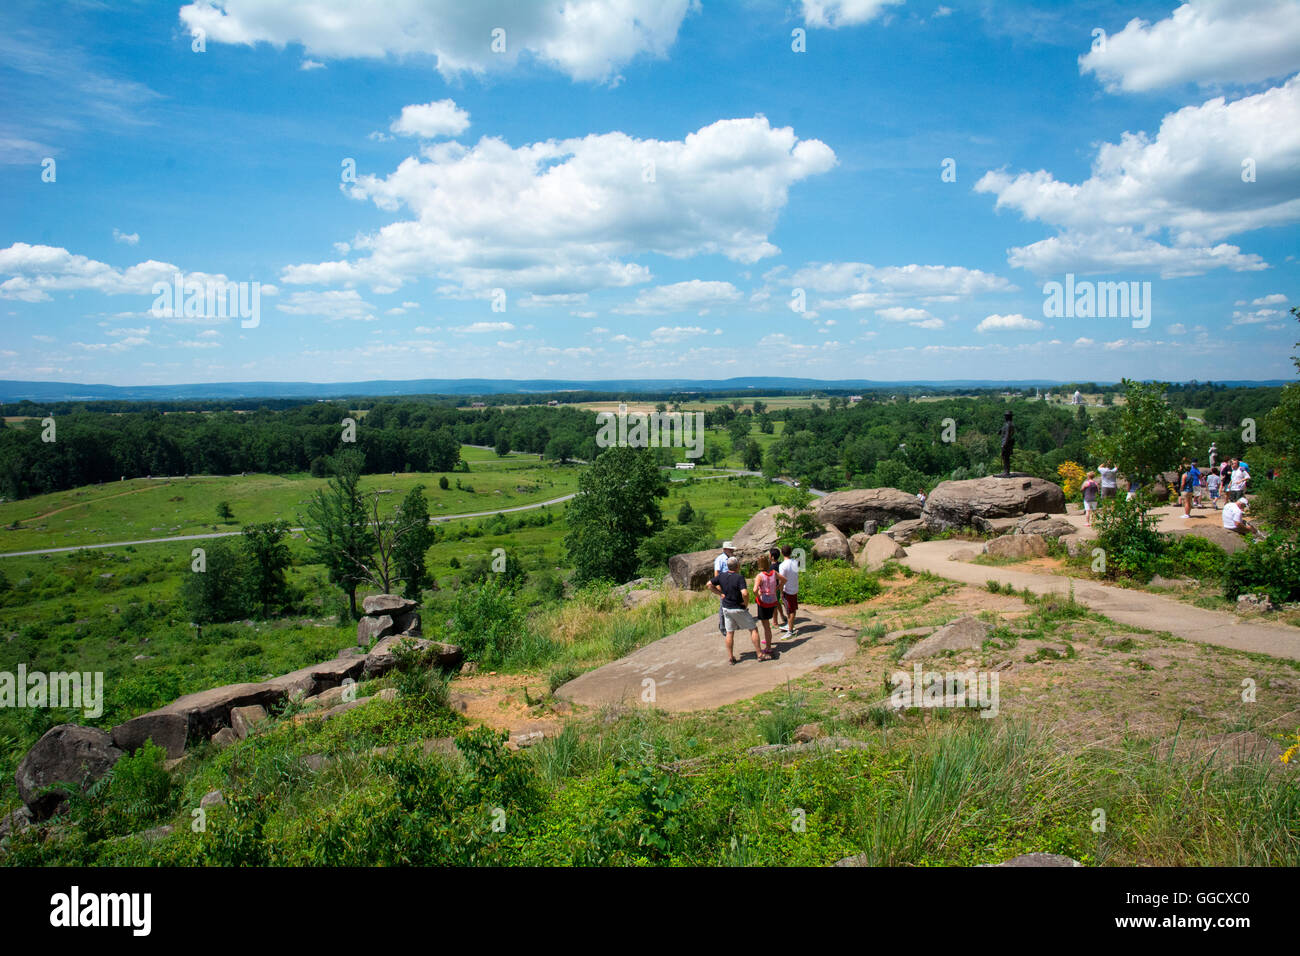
690,669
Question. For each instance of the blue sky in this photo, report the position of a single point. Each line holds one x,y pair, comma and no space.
647,188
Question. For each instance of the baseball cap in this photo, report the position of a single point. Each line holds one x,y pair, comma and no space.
1244,502
728,544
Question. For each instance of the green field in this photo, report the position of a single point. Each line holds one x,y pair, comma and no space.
151,508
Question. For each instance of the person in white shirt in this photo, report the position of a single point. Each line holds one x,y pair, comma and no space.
1109,486
790,593
719,567
1234,518
1237,484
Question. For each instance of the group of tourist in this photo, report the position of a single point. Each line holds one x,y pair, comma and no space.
775,593
1225,482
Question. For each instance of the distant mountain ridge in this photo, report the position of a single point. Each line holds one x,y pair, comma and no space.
16,391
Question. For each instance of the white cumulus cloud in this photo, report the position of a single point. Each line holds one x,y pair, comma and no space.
587,40
1203,41
431,120
1008,323
566,216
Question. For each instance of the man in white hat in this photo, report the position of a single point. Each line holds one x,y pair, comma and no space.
720,567
1235,520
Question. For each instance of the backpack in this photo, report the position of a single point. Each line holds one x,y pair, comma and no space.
767,589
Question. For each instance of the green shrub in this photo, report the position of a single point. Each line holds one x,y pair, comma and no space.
1193,556
488,621
829,583
1271,567
1129,538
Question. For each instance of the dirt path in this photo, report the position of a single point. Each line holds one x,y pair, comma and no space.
1130,608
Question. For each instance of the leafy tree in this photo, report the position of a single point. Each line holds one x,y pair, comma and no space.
616,508
414,542
336,525
1278,501
268,558
502,446
694,535
559,449
217,593
796,525
224,512
1144,437
443,483
685,513
753,455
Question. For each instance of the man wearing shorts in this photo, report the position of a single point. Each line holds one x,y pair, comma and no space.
790,593
720,567
730,586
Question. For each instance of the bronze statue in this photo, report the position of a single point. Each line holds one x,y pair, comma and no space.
1008,444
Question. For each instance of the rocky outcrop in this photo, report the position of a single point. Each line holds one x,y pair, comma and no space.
1045,525
387,614
905,532
859,541
66,755
692,569
381,660
1017,546
879,549
955,504
850,510
168,731
758,535
1229,541
832,545
967,633
244,721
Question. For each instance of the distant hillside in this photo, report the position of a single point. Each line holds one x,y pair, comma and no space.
74,392
15,391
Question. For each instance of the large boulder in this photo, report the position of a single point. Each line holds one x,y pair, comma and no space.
67,754
165,730
832,544
905,532
879,549
381,660
692,569
756,535
850,510
1045,525
244,721
1229,541
371,628
390,604
1017,546
954,504
859,541
207,711
967,633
